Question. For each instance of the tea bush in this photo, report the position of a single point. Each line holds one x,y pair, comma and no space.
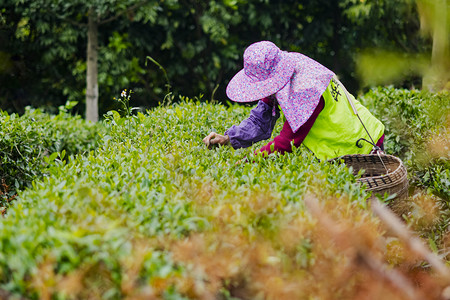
151,213
418,131
30,142
150,181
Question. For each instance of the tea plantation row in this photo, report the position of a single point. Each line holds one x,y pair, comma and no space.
144,210
30,142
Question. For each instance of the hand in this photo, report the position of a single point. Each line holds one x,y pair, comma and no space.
216,139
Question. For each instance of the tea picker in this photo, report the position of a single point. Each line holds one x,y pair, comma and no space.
320,113
313,101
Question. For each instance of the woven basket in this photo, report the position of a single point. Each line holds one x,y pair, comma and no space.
385,175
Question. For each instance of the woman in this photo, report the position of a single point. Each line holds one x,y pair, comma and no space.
319,111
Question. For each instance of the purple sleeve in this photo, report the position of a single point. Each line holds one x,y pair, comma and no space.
257,127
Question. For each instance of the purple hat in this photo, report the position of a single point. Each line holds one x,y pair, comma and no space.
266,71
297,80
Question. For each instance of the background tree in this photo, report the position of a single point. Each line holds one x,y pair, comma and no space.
99,13
34,19
435,22
198,43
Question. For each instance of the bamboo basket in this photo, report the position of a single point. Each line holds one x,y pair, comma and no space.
382,173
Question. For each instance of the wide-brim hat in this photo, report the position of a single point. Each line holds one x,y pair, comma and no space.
267,70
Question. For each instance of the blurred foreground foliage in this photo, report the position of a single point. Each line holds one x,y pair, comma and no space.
151,213
430,60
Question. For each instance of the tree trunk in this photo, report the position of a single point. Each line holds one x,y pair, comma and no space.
440,43
438,75
92,69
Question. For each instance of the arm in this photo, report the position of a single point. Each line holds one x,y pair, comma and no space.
257,127
282,142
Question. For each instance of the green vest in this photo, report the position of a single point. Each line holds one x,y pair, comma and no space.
337,128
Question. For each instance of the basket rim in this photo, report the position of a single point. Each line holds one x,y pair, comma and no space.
398,178
401,164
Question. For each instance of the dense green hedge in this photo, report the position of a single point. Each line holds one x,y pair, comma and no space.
418,131
144,181
152,213
30,142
